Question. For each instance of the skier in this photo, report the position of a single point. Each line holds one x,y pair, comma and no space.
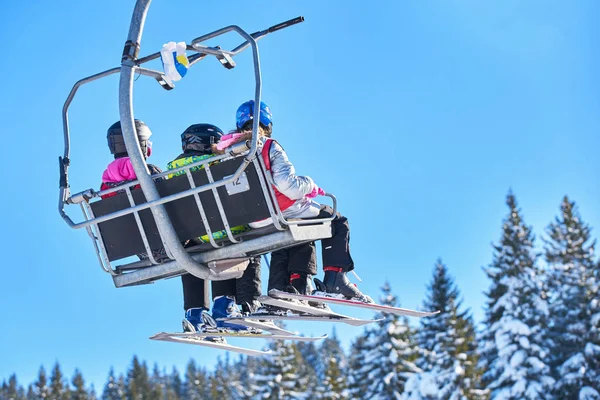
120,171
197,143
295,196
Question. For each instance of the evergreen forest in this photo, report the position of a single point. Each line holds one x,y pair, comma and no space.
539,339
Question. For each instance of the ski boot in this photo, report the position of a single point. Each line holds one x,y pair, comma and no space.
267,309
251,307
225,307
198,320
302,284
336,283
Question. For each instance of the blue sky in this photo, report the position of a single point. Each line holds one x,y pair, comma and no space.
418,116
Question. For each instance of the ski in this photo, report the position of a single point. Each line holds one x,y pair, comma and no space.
307,310
256,323
240,334
307,317
199,341
321,298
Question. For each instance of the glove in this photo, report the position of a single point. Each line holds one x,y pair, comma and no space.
175,61
317,191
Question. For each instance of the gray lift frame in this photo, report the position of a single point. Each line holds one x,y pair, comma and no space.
221,261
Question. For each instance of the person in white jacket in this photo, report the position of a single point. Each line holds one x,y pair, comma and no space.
295,195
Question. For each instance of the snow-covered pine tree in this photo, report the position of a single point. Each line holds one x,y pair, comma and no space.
332,370
334,385
332,348
174,385
137,383
432,333
306,376
12,390
113,389
21,395
92,393
447,341
222,380
31,393
392,352
591,391
358,367
513,346
196,382
59,388
247,367
310,353
158,387
40,387
306,380
282,376
236,377
421,386
121,385
312,361
570,257
467,357
79,392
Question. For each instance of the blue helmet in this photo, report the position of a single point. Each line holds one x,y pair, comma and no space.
245,113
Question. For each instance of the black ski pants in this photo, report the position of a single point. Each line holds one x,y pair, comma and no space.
302,259
292,260
336,249
244,289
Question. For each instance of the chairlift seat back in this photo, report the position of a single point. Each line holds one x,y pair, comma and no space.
121,236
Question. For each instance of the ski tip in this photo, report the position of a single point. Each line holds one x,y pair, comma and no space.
423,314
275,293
325,336
221,345
158,336
166,335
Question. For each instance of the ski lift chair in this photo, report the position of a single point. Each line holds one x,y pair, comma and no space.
147,215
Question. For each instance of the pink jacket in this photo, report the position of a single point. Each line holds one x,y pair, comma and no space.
118,171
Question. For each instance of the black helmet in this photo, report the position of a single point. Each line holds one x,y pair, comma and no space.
199,137
116,144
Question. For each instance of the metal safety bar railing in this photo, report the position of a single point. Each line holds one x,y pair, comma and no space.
131,64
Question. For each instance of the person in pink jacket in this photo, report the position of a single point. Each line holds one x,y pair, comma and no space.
120,171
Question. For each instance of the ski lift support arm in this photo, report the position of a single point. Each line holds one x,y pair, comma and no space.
225,56
217,51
